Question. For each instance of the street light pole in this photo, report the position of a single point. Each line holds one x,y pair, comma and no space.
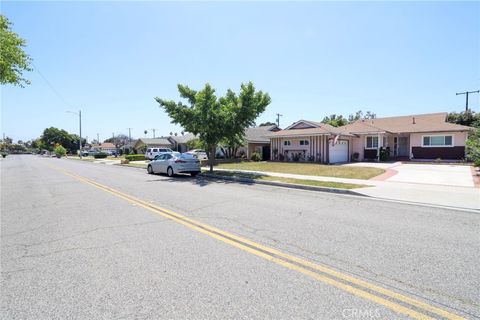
80,126
79,114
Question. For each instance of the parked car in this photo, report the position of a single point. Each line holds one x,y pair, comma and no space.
173,163
199,153
153,152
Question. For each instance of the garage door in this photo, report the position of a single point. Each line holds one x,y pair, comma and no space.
338,152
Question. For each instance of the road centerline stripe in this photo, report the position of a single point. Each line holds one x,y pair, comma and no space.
347,283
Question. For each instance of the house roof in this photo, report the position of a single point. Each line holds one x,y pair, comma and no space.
107,145
431,122
260,134
154,141
183,138
316,129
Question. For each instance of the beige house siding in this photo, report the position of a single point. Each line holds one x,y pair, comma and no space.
317,147
458,138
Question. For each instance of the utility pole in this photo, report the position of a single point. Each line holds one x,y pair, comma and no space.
98,138
466,93
153,132
278,119
80,125
79,114
129,135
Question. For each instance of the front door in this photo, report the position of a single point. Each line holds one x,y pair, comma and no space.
266,153
403,146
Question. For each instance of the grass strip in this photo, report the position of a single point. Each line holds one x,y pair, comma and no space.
315,183
310,169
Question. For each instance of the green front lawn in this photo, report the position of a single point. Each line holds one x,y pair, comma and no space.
327,184
310,169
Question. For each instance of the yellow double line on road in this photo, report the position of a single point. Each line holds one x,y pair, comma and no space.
385,297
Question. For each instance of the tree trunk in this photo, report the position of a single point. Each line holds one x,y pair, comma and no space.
212,157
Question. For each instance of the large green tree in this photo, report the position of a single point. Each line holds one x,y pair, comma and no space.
335,120
216,119
466,118
52,136
13,59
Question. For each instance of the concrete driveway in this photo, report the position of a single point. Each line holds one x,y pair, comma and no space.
447,175
434,174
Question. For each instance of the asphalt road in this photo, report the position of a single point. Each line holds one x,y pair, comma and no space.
90,241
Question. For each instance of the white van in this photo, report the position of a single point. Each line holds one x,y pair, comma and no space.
152,152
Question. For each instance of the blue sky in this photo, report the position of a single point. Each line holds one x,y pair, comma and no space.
110,59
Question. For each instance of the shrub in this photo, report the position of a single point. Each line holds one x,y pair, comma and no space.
135,157
477,163
256,156
384,154
100,155
60,151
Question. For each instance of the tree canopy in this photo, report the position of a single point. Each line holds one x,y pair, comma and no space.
215,119
13,59
338,120
335,120
268,123
467,118
52,136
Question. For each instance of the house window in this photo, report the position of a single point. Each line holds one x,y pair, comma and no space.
371,142
287,143
304,142
437,141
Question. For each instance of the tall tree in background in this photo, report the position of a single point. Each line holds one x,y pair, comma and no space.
268,123
13,60
216,119
360,115
335,120
52,136
466,118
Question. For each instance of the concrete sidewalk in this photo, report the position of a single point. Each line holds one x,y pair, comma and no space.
451,196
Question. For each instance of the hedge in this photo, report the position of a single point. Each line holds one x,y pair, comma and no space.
100,155
135,157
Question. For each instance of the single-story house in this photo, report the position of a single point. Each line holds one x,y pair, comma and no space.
423,136
179,143
257,139
306,141
153,143
103,147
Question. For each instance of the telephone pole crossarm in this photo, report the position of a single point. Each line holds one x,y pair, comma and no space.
466,93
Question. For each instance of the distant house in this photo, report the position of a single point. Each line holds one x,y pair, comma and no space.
179,143
103,147
153,143
422,136
257,139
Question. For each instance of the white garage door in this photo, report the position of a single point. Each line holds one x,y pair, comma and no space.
338,152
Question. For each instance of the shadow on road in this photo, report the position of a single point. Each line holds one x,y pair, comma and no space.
198,180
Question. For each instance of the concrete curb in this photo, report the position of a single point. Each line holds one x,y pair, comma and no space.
283,184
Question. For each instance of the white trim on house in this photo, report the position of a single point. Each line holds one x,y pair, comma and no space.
439,145
378,142
308,123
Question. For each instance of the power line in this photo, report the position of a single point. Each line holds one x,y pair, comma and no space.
51,86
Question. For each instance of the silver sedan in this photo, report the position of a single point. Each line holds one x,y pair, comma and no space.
174,163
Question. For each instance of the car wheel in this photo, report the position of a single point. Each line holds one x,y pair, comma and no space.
193,174
150,170
170,172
